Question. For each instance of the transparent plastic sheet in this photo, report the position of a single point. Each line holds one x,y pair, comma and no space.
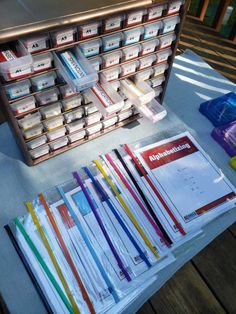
197,174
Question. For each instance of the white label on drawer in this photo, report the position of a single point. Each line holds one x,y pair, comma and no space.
174,7
111,75
156,82
144,63
166,42
37,45
41,65
148,49
154,12
19,72
28,106
150,32
64,38
112,44
128,68
8,55
91,51
49,99
112,60
131,39
89,30
130,54
134,18
159,70
112,23
18,92
101,94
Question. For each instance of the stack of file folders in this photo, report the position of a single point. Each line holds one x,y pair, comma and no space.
99,239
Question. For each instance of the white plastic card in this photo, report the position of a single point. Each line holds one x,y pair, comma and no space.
134,18
113,23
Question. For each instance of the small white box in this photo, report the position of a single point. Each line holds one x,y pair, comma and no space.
30,120
132,52
72,102
163,55
96,63
63,37
160,69
111,59
53,123
39,151
144,75
149,46
43,81
157,81
146,62
24,105
125,115
89,109
37,142
93,118
113,23
112,41
47,96
18,89
134,18
36,43
89,30
67,91
169,24
75,126
116,85
129,68
152,30
128,104
174,7
166,41
110,122
51,110
74,115
76,136
155,12
59,143
94,129
42,62
32,132
91,48
132,36
110,75
52,135
152,110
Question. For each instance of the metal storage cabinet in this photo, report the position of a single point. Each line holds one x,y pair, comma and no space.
18,20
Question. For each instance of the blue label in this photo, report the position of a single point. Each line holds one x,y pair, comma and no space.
82,203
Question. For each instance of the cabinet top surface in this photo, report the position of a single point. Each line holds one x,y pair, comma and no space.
22,17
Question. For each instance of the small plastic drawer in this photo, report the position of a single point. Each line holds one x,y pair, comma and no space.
76,136
15,63
144,75
30,120
85,99
64,37
43,81
152,30
134,18
112,23
36,43
75,69
110,75
59,143
37,142
51,110
125,115
146,62
47,96
94,129
155,12
53,123
75,126
132,52
88,30
89,109
132,36
53,135
72,102
105,98
111,59
35,131
39,152
152,111
174,7
160,69
42,62
169,24
116,85
129,68
110,122
158,90
91,48
149,47
157,81
96,63
139,94
163,55
23,105
66,91
111,42
74,115
18,89
128,104
93,118
166,41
